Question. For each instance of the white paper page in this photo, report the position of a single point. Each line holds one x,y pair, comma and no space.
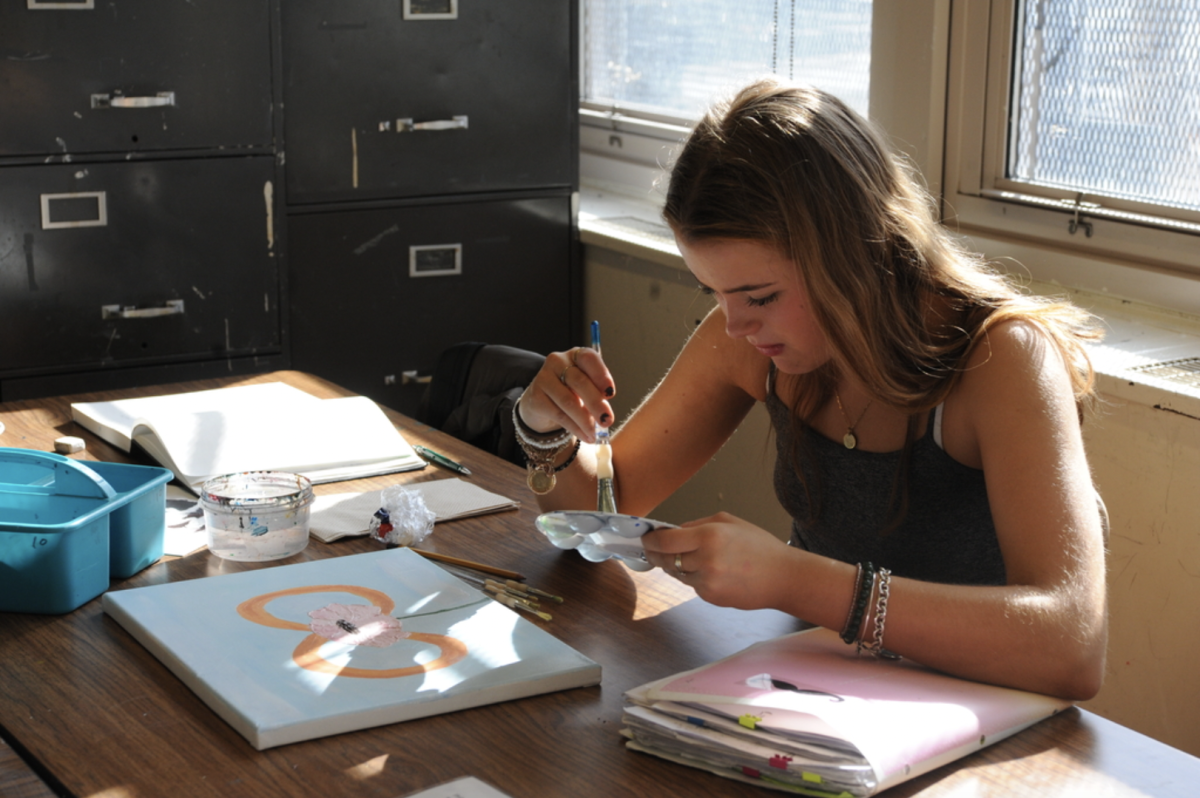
114,421
325,440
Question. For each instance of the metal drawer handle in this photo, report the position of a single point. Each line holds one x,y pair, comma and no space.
172,307
163,98
454,123
52,5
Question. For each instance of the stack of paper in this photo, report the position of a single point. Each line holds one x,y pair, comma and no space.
267,427
803,713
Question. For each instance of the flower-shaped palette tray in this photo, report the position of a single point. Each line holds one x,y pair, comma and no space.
600,536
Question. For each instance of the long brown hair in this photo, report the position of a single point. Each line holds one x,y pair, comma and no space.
795,167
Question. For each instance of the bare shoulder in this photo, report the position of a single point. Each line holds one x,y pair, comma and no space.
1016,380
1014,350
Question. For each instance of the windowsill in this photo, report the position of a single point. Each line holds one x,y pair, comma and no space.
1137,334
626,224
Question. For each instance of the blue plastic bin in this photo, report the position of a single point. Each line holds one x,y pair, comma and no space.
66,526
139,515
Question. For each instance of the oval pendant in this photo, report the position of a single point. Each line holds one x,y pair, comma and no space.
849,440
541,482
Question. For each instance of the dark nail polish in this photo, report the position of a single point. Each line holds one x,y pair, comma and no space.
604,418
609,391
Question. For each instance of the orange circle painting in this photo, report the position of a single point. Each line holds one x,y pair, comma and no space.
351,624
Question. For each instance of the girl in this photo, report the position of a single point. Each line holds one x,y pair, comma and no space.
927,414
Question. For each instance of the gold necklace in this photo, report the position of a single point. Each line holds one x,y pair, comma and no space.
850,440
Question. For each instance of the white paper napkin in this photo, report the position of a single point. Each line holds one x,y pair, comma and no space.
339,515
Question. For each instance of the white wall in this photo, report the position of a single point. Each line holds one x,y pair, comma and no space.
1147,465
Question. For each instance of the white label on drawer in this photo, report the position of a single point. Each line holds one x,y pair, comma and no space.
434,260
80,209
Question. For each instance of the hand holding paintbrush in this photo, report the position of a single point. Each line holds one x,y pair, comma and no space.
567,404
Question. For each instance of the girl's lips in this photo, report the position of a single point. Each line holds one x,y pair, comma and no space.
773,350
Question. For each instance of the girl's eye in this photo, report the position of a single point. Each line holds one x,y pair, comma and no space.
759,302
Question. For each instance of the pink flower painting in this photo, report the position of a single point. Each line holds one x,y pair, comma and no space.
356,625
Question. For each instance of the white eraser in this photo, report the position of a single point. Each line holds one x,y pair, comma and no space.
69,444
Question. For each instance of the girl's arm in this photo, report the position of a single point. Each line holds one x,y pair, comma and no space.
677,428
1013,415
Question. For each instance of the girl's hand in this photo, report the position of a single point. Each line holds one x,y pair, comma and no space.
571,391
728,561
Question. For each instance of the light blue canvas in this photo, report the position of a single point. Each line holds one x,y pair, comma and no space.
294,652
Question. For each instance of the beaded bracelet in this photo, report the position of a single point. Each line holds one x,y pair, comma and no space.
570,459
864,586
529,438
541,452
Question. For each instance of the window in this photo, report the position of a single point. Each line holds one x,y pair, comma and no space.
1105,100
651,67
1076,124
672,58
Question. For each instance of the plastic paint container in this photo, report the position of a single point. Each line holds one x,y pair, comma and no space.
257,515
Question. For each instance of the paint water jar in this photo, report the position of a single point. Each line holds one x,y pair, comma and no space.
257,515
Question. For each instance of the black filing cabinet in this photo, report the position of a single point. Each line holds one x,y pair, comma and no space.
206,187
431,170
396,286
138,221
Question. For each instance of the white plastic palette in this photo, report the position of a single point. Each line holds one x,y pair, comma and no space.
600,536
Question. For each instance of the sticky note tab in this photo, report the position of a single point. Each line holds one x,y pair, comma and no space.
813,777
749,721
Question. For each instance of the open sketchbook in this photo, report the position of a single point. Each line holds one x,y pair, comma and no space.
301,651
265,427
803,713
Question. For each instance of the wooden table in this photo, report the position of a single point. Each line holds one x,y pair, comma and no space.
86,711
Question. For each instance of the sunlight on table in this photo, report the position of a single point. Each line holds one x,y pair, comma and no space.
657,593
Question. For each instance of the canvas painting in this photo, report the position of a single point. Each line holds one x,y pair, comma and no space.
295,652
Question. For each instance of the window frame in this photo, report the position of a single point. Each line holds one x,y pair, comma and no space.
625,149
1041,223
946,47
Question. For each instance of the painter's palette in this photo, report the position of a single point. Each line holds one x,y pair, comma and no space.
601,536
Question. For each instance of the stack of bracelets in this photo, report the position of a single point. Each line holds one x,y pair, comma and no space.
868,610
541,450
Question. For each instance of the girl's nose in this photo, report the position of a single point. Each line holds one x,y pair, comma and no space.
738,323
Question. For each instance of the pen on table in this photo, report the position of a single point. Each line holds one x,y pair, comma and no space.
442,460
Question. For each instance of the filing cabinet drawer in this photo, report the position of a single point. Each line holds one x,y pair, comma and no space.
379,292
78,76
383,106
134,263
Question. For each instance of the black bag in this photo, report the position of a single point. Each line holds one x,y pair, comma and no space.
472,392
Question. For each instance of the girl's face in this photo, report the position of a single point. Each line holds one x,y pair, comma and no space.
759,291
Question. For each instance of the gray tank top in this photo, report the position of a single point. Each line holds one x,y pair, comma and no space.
946,535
